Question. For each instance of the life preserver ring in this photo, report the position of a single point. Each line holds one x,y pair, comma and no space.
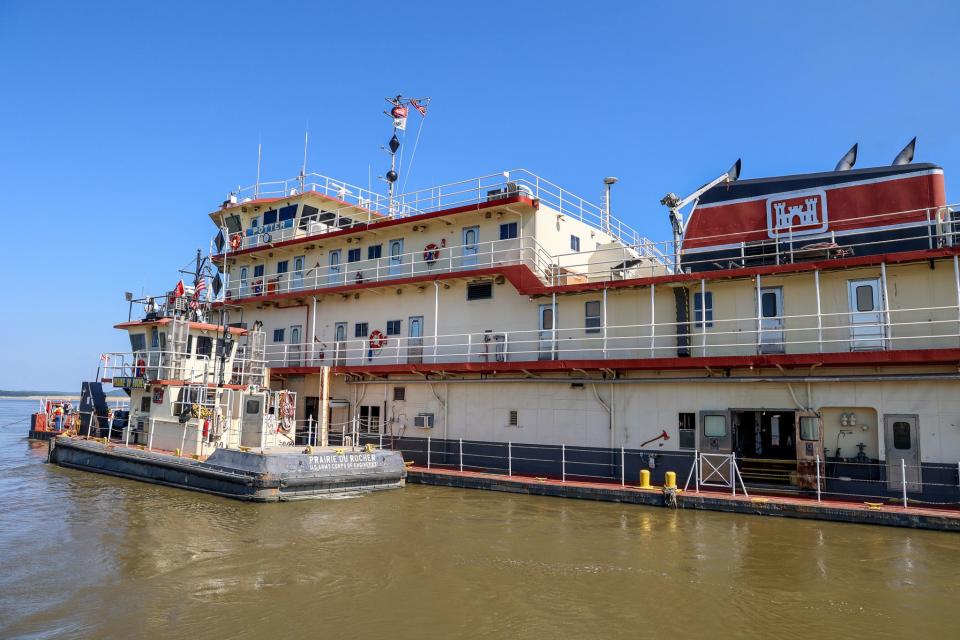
235,241
141,368
431,253
377,340
265,237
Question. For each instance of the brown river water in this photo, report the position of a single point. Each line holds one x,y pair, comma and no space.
89,556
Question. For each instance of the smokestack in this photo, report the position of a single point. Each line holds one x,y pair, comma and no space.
605,223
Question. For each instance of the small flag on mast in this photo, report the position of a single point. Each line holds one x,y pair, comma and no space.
178,290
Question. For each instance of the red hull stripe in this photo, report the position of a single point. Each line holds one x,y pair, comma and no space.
842,359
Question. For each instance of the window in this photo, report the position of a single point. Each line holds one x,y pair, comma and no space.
370,418
592,319
393,327
715,426
574,243
698,308
688,431
154,338
513,420
901,435
399,393
374,251
283,266
138,341
243,276
254,223
288,213
252,407
269,217
360,330
508,230
353,255
480,290
145,404
768,304
278,335
864,297
809,428
309,215
258,271
189,343
189,396
204,346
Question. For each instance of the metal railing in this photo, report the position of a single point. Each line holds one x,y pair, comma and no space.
909,328
150,365
495,253
362,207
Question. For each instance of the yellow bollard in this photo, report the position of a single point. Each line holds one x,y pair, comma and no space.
644,478
670,480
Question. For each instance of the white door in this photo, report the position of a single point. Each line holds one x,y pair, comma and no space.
415,340
294,350
340,344
396,257
902,440
546,334
771,320
471,246
334,272
866,314
297,278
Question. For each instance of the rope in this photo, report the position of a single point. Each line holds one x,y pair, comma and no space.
7,424
413,156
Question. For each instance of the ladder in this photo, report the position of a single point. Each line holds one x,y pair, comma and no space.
256,362
179,331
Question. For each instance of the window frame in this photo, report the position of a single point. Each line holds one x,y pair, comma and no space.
574,243
593,323
707,321
375,251
281,332
510,228
357,333
394,327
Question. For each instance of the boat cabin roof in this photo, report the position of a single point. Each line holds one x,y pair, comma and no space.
199,326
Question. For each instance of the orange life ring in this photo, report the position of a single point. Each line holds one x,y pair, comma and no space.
431,253
235,241
377,340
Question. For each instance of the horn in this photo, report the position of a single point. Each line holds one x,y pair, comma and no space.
848,160
906,155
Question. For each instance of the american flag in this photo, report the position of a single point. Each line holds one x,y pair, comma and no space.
198,289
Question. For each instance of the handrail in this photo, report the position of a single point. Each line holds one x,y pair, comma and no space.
922,327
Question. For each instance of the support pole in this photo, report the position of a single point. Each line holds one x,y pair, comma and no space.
759,313
428,452
604,322
886,305
461,455
623,467
653,322
696,469
553,325
436,315
150,438
510,459
324,406
310,429
816,284
956,280
703,316
563,462
816,460
903,478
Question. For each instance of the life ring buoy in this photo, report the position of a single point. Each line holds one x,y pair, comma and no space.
377,340
265,237
235,241
431,253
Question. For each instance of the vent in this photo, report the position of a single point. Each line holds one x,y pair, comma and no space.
480,290
423,421
399,393
514,419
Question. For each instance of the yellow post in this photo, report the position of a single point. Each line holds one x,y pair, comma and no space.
644,478
670,481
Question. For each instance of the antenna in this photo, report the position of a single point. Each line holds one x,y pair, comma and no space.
256,189
303,168
398,113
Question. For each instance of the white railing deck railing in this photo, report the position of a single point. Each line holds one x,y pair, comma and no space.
190,368
645,259
362,207
915,328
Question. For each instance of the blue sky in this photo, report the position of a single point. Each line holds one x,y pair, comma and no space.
123,124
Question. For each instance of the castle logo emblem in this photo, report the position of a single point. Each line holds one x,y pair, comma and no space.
801,213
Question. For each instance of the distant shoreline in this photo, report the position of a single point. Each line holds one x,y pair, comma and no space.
38,398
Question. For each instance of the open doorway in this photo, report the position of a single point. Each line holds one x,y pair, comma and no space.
765,441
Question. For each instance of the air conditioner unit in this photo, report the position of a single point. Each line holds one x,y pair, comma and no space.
423,421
